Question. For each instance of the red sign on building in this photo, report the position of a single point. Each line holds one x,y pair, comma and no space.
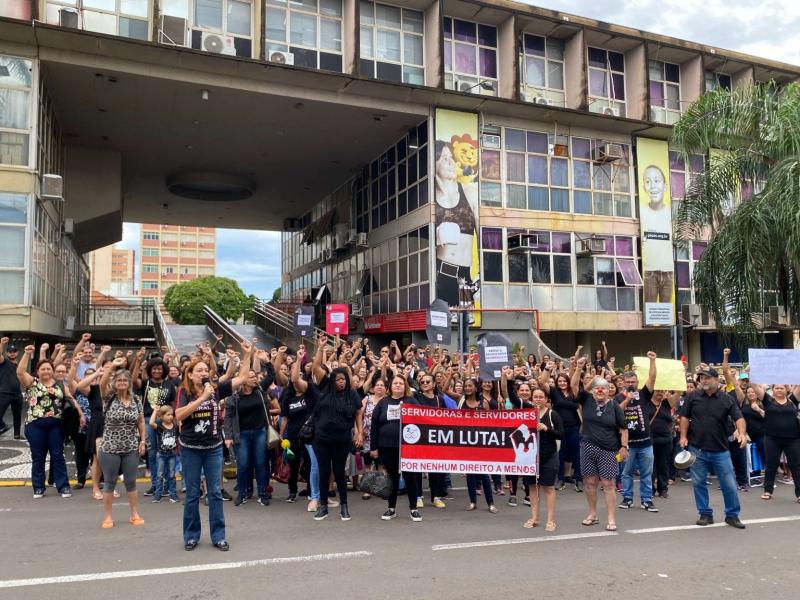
337,319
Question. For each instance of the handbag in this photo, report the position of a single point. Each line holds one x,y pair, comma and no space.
273,437
306,434
376,483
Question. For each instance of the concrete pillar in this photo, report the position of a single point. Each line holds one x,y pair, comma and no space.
575,72
434,46
508,59
693,83
351,37
636,93
745,77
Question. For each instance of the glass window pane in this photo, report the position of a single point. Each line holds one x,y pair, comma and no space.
109,5
682,273
464,31
656,93
366,44
697,250
626,299
14,108
367,13
448,56
602,177
555,75
490,164
534,71
13,208
606,299
559,172
492,266
413,20
559,200
616,61
515,167
303,30
630,274
538,198
534,44
597,83
655,69
15,72
621,181
331,8
487,35
555,48
307,5
515,196
584,270
537,169
622,205
239,17
583,202
603,204
540,268
13,148
562,269
597,58
423,266
136,8
490,194
618,86
276,25
12,246
605,271
515,140
12,287
465,59
491,238
581,174
412,49
106,23
580,148
623,246
133,28
518,268
387,16
330,35
562,243
673,101
537,142
414,75
208,13
488,62
672,72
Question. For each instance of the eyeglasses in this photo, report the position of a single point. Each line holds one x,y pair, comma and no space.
426,381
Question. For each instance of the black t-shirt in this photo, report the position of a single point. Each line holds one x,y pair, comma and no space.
662,425
334,416
155,395
566,408
385,431
295,409
781,419
251,411
201,429
422,400
167,439
599,363
601,424
9,382
637,416
548,439
754,420
708,419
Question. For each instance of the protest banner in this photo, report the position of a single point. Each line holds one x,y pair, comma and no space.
774,366
498,442
438,323
337,319
670,374
304,321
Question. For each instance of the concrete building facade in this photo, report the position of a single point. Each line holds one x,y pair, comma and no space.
328,120
113,271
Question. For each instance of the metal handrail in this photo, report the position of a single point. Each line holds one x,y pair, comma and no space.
280,320
217,325
162,331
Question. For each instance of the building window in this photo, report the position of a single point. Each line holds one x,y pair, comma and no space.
151,235
600,188
715,80
361,206
13,227
149,251
149,269
413,270
686,260
682,176
16,79
607,282
606,82
470,57
168,271
149,285
492,254
126,18
309,30
392,45
542,69
665,92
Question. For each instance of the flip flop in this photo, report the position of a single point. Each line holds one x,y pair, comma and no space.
116,494
107,524
136,521
766,496
611,527
98,496
530,524
550,527
589,521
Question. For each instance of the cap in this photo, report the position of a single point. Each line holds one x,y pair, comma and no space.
709,372
744,375
11,348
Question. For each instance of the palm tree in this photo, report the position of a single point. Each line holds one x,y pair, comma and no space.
747,201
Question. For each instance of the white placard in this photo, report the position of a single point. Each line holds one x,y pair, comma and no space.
337,317
659,313
304,320
439,319
774,366
496,354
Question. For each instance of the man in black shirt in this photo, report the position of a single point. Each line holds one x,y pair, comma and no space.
10,390
703,429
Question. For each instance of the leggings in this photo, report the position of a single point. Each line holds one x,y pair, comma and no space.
739,460
294,465
791,447
332,456
662,457
390,458
111,463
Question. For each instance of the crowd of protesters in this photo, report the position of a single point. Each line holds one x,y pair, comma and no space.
328,413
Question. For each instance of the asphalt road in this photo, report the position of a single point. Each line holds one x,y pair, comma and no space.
451,554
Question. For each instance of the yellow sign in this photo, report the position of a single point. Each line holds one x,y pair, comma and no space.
457,152
655,214
670,374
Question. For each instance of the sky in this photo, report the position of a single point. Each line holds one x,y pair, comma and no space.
765,28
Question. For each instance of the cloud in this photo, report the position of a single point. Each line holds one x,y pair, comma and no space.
766,28
252,258
130,237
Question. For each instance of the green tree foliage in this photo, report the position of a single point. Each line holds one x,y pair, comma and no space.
185,301
753,256
276,295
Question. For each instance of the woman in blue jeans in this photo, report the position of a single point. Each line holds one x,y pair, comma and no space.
201,450
45,399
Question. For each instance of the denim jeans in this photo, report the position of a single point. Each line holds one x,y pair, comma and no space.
47,435
313,480
472,487
642,459
570,452
165,470
152,454
723,467
251,455
210,462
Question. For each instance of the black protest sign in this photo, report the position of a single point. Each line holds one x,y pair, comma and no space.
304,321
494,353
438,323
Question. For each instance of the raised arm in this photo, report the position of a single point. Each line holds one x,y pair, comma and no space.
300,384
575,380
650,384
3,346
544,377
280,358
25,378
319,356
244,366
85,337
605,351
136,370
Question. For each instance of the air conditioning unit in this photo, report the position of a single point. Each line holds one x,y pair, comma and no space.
543,100
487,88
281,58
68,17
352,237
464,85
291,224
778,317
591,245
69,226
52,188
172,30
695,315
356,309
70,323
490,141
217,43
362,241
522,242
611,111
607,153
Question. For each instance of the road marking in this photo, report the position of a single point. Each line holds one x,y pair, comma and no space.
245,564
554,538
722,524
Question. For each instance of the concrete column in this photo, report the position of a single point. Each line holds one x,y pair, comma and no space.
746,76
693,351
350,36
508,58
636,78
575,72
434,45
693,83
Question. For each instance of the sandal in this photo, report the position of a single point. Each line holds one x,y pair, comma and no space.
107,524
550,526
97,495
766,496
530,524
116,494
611,527
136,521
589,521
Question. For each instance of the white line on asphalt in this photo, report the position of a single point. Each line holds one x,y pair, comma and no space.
554,538
11,583
721,524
